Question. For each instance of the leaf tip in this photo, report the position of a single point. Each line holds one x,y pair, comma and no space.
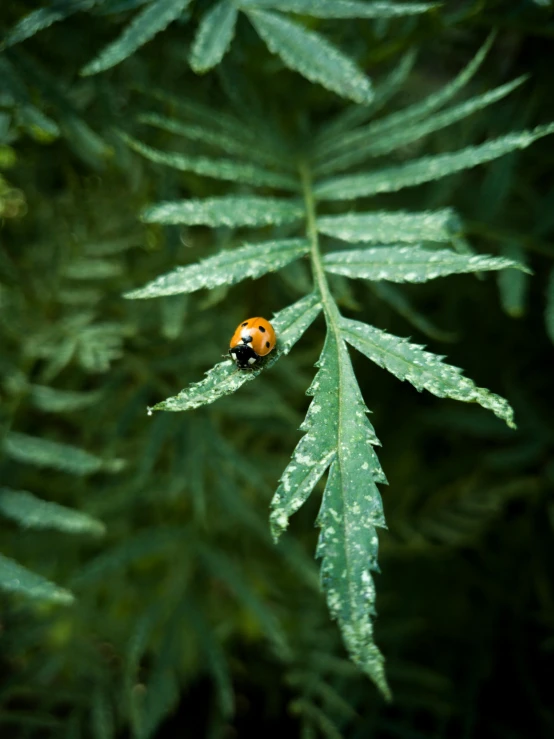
278,522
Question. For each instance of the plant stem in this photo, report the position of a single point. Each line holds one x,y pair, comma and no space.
320,281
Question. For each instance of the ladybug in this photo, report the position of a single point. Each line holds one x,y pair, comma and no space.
252,340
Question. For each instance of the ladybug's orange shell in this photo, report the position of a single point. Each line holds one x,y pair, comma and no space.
262,333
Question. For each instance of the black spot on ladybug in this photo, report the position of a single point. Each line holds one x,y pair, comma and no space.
262,329
267,344
245,323
246,339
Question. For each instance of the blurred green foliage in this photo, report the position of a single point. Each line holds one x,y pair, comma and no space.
159,604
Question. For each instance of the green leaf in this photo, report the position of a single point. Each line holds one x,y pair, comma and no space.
112,7
213,119
154,18
312,55
43,18
83,140
426,169
340,8
228,143
85,268
102,718
513,284
385,227
39,125
223,379
549,312
367,144
15,578
422,369
338,433
408,263
52,400
160,700
33,513
412,113
226,268
45,453
221,169
231,211
214,36
334,132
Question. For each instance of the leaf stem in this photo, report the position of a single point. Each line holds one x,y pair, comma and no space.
320,280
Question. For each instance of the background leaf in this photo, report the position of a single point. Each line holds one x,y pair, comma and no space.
341,8
150,21
31,512
313,56
53,454
214,36
42,18
222,169
14,578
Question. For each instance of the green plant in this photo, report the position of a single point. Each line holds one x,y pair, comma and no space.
77,356
338,434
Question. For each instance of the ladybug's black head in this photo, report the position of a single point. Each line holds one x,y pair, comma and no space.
244,356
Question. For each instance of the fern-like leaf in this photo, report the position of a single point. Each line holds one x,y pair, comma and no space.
385,227
34,120
407,116
33,513
408,263
513,284
367,144
335,131
422,369
312,55
224,378
221,169
341,8
150,21
426,169
15,578
54,455
231,211
43,18
339,434
226,268
230,143
86,268
213,119
214,36
53,400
